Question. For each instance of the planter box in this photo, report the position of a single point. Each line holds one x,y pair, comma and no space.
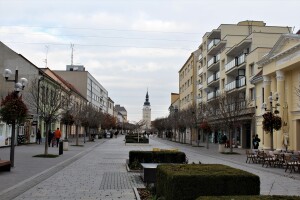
221,148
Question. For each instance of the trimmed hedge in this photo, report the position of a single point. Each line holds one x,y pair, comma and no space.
156,157
134,139
185,182
263,197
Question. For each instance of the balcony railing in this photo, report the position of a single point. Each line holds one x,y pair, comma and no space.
230,65
213,77
218,57
200,57
213,60
200,71
241,59
210,95
212,43
200,86
235,84
230,86
217,75
210,79
241,82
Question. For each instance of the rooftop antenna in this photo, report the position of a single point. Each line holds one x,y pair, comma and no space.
46,60
72,50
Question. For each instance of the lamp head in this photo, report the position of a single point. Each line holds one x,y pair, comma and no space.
7,73
24,82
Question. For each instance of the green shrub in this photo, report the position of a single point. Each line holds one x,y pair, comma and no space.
134,139
184,182
156,157
263,197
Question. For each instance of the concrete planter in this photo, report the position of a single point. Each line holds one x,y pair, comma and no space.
221,148
65,145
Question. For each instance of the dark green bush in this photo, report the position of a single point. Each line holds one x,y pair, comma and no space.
187,182
134,139
156,157
263,197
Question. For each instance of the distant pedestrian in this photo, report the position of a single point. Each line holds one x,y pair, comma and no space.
50,137
255,141
38,136
116,134
57,136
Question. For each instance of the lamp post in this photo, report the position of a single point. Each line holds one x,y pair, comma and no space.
271,98
18,87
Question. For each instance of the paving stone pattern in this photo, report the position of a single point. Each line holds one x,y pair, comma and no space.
101,173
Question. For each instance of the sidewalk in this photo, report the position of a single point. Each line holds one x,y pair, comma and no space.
99,172
27,166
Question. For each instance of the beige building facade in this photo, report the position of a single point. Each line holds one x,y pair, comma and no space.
227,62
279,81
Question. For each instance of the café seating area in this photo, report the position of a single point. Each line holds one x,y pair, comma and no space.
288,160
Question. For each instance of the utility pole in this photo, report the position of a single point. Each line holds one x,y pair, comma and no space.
72,50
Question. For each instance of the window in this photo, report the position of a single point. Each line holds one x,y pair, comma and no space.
223,83
223,64
252,93
263,95
251,69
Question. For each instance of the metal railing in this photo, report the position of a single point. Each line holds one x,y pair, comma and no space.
230,65
241,59
212,43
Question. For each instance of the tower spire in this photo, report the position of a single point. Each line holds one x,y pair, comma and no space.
147,103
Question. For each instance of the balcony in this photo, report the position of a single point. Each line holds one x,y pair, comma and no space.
200,71
213,60
199,100
241,82
200,86
230,86
213,43
241,59
235,84
212,95
214,77
230,65
200,57
210,79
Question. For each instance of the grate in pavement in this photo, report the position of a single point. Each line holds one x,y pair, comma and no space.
120,180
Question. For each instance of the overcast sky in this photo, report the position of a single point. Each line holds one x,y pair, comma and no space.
128,45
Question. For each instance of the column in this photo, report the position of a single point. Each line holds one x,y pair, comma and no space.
281,100
267,90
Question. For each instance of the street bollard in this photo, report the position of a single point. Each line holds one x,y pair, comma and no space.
60,148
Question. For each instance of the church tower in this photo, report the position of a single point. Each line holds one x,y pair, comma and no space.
147,113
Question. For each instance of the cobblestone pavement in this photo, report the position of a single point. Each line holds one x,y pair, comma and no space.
100,173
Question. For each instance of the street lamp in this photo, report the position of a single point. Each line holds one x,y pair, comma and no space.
264,106
18,87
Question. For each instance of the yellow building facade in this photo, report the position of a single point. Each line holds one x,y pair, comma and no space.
227,62
279,81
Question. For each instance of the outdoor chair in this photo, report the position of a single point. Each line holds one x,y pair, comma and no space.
291,161
251,156
269,159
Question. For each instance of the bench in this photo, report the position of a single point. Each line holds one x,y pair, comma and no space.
5,165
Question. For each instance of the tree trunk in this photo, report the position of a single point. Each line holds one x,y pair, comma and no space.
230,141
77,135
207,142
46,138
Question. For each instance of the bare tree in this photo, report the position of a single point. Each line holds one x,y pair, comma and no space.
231,108
47,98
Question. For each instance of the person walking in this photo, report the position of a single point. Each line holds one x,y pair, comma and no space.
38,136
57,136
255,141
50,137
